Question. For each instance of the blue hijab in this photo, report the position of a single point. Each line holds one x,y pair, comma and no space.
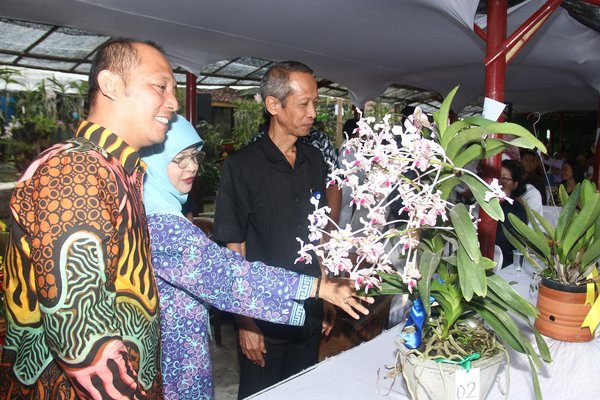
160,196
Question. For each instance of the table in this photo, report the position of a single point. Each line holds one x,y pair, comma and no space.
359,372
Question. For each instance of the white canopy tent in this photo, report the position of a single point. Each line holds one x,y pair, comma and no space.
365,46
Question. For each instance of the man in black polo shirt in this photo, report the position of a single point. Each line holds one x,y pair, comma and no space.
262,207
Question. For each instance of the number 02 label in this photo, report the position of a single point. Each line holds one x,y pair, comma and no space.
466,384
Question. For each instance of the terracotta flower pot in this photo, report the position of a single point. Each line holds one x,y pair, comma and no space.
427,379
562,311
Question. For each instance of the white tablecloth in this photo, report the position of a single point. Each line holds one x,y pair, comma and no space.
359,373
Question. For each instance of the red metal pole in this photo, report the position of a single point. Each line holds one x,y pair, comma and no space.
597,153
495,73
480,32
517,40
191,109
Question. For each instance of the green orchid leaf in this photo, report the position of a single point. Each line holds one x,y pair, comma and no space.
513,300
536,381
452,130
445,275
465,266
428,264
532,219
591,255
469,135
387,288
476,151
564,196
455,128
502,324
447,186
534,239
520,142
486,263
447,239
495,299
587,270
497,323
524,138
450,300
479,121
548,229
441,116
465,231
526,248
588,190
581,223
391,284
471,275
479,190
542,346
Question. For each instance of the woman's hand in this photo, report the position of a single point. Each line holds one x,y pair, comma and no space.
341,293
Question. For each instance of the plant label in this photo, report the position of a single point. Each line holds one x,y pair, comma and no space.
466,384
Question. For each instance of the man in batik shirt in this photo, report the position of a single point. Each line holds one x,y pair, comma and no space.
82,305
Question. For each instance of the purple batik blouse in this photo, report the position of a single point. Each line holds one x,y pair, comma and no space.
194,273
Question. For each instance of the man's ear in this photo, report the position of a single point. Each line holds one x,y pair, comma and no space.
109,83
272,105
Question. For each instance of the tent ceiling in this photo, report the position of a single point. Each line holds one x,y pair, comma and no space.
383,51
52,48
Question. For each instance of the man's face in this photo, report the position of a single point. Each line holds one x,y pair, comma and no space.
148,98
297,113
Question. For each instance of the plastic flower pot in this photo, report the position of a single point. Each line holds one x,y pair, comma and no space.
562,310
428,379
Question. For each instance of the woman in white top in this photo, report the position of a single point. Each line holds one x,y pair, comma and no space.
533,198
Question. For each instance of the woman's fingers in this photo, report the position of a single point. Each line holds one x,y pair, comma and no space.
352,305
341,292
368,299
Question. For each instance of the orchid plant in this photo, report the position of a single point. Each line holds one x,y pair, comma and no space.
417,165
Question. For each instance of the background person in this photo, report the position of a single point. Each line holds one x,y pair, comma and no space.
193,272
82,303
571,174
319,140
511,180
262,208
534,173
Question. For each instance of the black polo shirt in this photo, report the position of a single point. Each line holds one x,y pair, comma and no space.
265,202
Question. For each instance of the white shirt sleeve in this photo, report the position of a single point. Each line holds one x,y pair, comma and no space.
533,198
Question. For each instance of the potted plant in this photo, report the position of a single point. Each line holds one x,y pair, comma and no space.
461,309
567,258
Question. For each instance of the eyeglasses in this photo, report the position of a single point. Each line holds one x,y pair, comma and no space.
504,179
183,161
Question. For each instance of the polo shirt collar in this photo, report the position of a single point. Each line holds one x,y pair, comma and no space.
275,155
112,144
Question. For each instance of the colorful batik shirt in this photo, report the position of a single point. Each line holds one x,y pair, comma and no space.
81,299
192,273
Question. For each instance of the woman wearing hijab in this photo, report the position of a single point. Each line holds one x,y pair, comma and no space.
192,272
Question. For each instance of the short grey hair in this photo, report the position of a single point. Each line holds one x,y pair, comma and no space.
276,80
